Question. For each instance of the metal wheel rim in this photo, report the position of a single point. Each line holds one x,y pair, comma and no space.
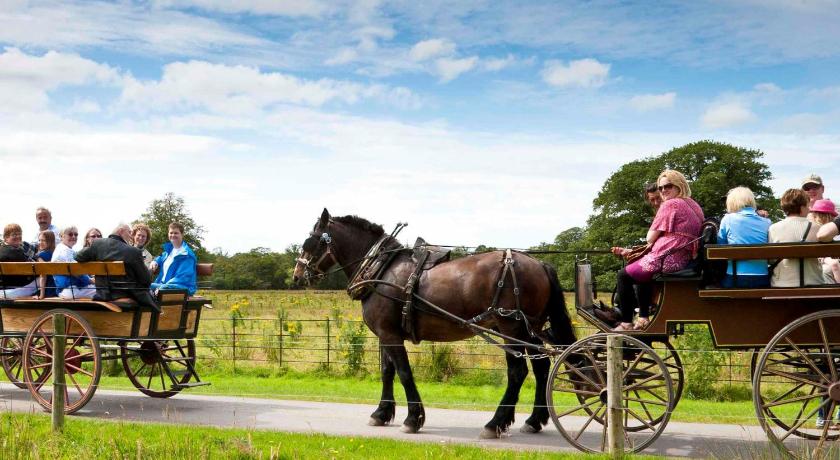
635,441
37,355
764,411
146,384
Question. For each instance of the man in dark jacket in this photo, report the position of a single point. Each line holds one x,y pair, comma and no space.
135,284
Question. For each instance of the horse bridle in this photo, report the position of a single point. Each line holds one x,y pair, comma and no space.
308,266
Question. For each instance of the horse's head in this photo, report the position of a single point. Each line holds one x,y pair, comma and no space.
317,253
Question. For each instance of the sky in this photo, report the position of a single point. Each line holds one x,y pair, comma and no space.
477,122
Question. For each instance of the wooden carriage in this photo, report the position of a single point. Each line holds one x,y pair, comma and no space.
793,331
154,345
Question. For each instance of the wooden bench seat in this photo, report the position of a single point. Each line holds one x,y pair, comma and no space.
62,268
772,251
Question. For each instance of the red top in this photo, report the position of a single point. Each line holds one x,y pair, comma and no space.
680,221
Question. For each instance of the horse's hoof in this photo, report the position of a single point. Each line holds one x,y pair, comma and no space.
526,428
408,429
490,433
376,422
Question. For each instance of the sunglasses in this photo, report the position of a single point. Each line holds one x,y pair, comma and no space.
809,187
662,188
72,234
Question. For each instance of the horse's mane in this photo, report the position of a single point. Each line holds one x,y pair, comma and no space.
361,223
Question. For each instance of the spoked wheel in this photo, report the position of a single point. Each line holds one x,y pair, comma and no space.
148,364
11,356
577,394
797,374
82,360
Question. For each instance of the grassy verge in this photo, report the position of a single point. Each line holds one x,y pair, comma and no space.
29,437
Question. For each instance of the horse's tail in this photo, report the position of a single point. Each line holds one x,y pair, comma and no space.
562,331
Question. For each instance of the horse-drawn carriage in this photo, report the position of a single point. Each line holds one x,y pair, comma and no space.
795,333
155,345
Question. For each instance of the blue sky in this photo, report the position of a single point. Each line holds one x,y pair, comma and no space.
475,121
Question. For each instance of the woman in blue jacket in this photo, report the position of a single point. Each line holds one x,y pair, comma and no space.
176,266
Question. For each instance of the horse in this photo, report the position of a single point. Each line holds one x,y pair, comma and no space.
463,287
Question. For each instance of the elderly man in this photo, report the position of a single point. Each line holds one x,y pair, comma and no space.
813,186
44,218
135,284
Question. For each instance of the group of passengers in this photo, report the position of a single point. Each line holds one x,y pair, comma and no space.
175,267
673,241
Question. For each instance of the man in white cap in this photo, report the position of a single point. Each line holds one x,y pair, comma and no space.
813,186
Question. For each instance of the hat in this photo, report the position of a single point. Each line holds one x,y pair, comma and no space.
826,206
812,179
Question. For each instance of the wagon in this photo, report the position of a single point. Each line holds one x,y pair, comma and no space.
795,371
155,347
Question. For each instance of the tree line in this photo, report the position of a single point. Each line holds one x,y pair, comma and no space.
620,217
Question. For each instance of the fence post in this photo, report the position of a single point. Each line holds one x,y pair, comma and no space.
615,412
280,357
328,342
59,341
233,328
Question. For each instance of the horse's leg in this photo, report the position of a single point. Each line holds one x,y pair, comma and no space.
384,413
517,370
539,416
416,414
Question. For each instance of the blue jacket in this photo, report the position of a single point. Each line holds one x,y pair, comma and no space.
745,227
181,274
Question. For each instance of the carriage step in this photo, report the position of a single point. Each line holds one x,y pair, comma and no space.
181,386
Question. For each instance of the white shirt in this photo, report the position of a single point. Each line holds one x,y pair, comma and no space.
171,258
63,253
786,273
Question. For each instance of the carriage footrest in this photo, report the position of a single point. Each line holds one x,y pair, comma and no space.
181,386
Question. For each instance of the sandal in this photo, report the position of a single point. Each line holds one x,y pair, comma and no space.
624,327
641,323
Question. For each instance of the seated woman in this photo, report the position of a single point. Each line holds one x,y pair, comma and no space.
795,228
742,225
46,247
141,235
823,212
673,239
15,287
177,263
92,234
71,287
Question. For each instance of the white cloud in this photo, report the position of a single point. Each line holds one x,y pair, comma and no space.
433,48
726,115
293,8
584,73
647,102
344,56
767,88
26,79
240,89
448,69
497,64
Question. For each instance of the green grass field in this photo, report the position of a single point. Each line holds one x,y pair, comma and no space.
25,436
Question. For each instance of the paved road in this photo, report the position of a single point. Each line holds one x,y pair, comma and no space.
442,425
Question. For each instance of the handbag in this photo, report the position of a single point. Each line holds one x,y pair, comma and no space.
637,252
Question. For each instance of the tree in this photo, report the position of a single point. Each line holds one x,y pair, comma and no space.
161,213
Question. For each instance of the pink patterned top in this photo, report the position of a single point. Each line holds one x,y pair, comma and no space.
679,220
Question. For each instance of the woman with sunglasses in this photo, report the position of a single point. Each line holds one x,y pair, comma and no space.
92,234
673,238
71,287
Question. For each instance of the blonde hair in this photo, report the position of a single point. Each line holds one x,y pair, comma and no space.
141,227
67,229
675,177
739,198
821,218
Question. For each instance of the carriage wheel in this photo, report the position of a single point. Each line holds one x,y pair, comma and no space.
577,395
796,374
144,363
11,358
82,360
672,360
